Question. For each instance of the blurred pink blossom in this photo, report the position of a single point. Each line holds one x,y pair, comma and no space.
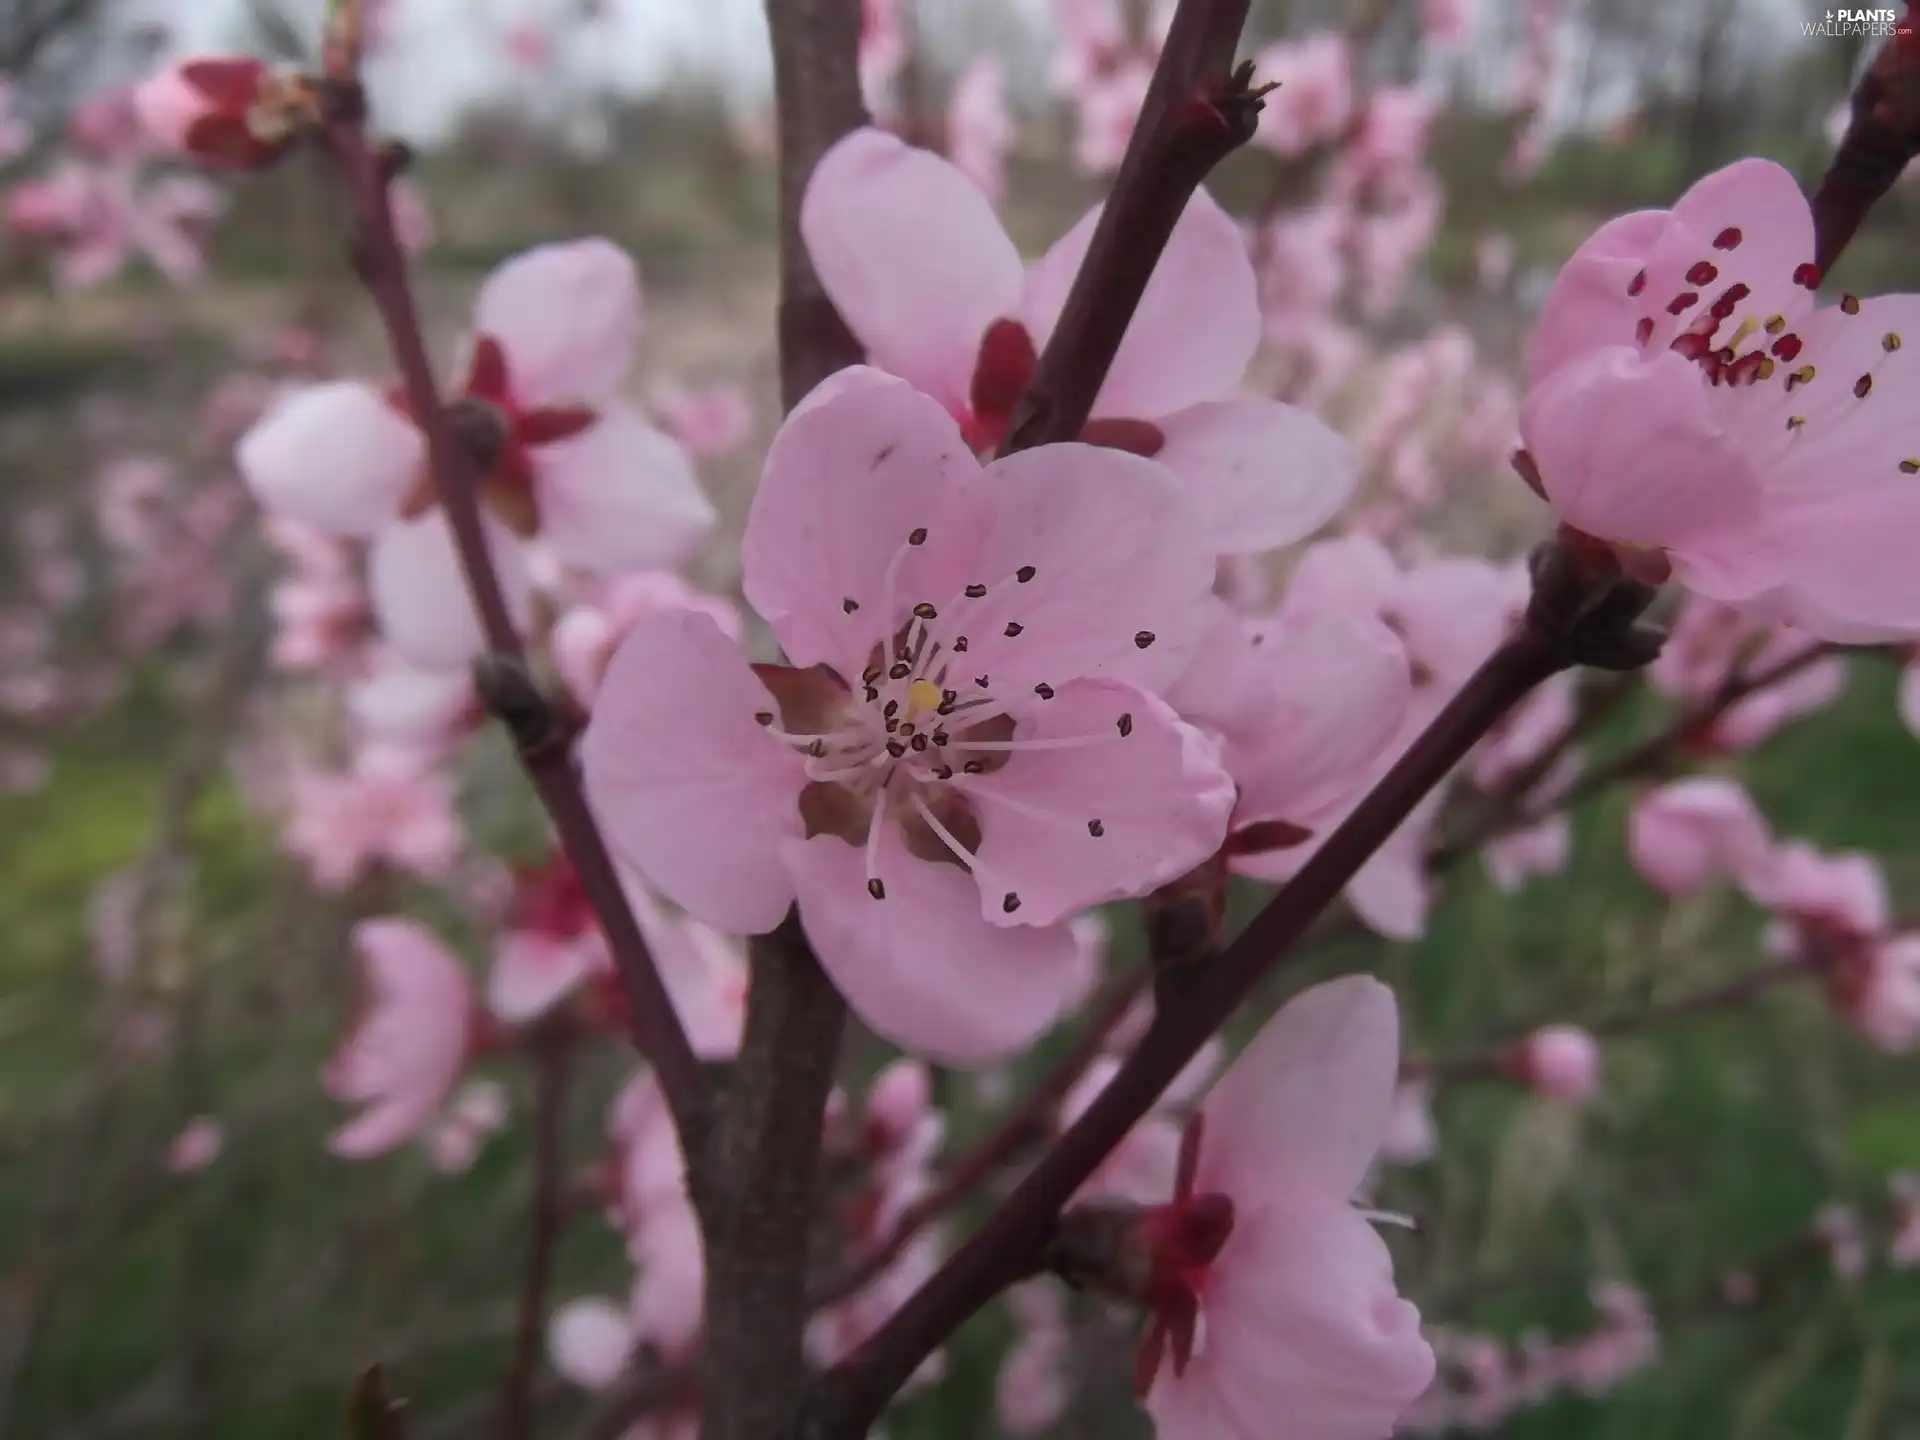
197,1146
979,127
1560,1060
1685,834
381,811
1314,103
710,421
410,1041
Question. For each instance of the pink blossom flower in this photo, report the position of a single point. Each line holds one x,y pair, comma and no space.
942,789
416,716
1446,22
919,265
979,128
1836,898
573,466
197,1146
454,1140
1692,408
1092,34
1274,1295
411,1041
381,811
1560,1060
710,421
228,110
15,134
1315,100
1684,835
585,637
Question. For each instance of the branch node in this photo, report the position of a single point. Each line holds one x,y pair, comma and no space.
1591,612
511,696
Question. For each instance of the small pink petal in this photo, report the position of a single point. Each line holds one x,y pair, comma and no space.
568,316
913,257
335,456
1264,474
619,496
1306,1104
420,593
866,462
589,1342
922,967
1069,828
694,793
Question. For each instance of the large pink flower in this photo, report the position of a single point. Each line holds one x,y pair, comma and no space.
571,464
974,752
1689,402
919,265
411,1041
1273,1294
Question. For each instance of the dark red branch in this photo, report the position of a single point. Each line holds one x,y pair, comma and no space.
1198,110
541,737
552,1051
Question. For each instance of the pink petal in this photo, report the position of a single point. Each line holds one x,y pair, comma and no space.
694,793
1157,795
1342,687
589,1342
1264,474
1197,325
1302,1320
531,973
568,316
1684,834
667,1298
1391,892
420,592
850,476
913,256
335,456
1630,450
619,496
1588,307
922,968
1121,571
1306,1104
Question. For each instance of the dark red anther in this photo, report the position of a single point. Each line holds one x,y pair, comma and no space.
1704,272
1807,275
1643,332
1786,348
1683,302
1727,238
1637,284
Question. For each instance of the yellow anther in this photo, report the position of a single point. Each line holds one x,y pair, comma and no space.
922,695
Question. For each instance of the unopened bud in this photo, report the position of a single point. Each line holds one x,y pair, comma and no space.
1560,1060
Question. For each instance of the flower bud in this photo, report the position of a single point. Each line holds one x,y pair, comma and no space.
1560,1060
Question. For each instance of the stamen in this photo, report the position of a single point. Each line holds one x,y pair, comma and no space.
874,823
1063,742
1387,1217
960,852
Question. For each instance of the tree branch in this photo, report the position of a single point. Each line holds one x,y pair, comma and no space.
542,739
552,1052
763,1185
1197,111
1883,135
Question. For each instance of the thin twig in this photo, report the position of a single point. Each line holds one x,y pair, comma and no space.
552,1056
1883,135
1489,1058
542,741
